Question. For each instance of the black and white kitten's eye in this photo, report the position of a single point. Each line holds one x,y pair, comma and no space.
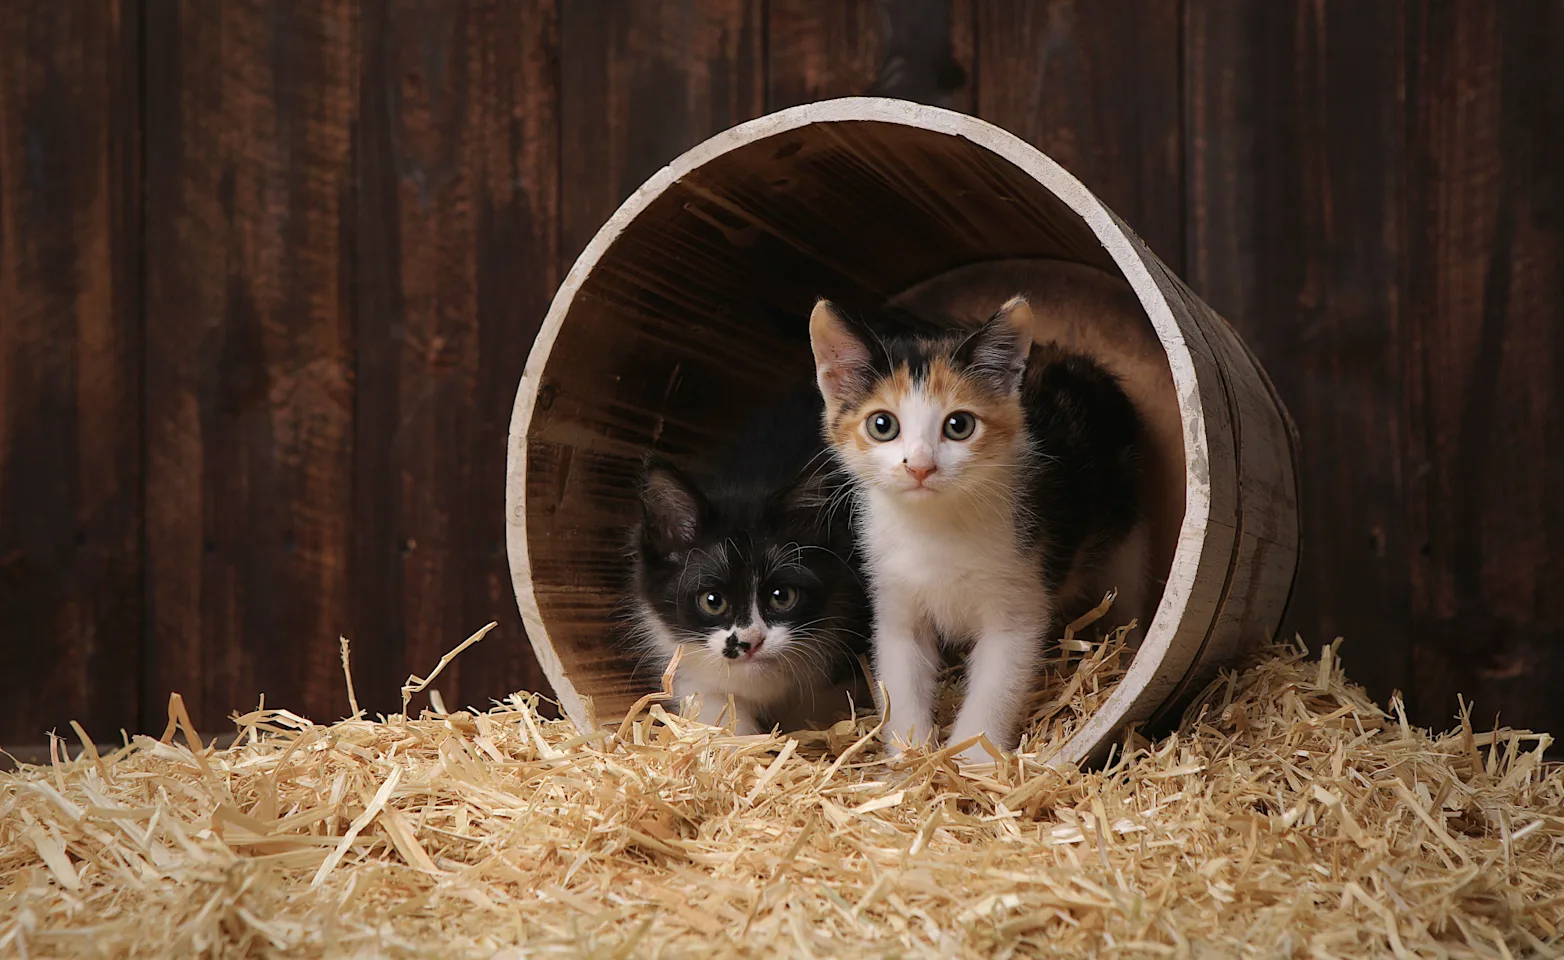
959,425
782,599
712,603
883,426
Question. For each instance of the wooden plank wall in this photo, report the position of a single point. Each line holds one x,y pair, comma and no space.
72,612
269,275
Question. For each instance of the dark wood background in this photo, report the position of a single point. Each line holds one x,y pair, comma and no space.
269,274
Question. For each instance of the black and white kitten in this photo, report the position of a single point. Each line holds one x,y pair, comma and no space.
752,573
997,494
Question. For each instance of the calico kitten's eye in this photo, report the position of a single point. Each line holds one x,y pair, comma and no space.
712,603
782,599
959,425
883,426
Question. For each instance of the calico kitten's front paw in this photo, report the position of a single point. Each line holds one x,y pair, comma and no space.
905,741
975,754
982,727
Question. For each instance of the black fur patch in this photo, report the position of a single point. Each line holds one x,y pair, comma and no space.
1089,442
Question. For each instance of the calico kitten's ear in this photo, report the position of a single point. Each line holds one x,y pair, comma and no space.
844,365
996,352
671,507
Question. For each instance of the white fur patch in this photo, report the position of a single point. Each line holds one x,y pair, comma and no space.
951,566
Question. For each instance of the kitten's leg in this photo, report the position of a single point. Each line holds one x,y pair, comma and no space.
713,702
906,661
1001,671
709,702
745,723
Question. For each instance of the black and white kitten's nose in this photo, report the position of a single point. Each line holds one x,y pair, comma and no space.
735,647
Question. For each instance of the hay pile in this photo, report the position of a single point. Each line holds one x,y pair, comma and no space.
1289,817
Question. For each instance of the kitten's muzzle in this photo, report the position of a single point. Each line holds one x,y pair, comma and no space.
919,468
919,461
743,644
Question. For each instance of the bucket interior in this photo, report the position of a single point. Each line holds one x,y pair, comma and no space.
697,314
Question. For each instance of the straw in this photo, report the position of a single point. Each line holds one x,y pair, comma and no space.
1289,816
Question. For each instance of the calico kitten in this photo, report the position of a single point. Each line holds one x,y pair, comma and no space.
753,574
996,486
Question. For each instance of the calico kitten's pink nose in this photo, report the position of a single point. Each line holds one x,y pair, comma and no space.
920,472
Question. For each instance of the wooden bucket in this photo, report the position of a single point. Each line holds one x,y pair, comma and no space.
690,307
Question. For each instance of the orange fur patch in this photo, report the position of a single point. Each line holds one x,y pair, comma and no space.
1001,416
846,431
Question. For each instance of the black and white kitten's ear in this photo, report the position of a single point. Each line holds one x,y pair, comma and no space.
996,352
844,364
671,507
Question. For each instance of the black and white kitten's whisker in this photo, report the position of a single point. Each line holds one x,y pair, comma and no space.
834,633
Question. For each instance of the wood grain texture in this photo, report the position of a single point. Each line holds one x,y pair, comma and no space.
1294,136
250,396
919,51
1095,85
70,379
641,83
1484,363
456,260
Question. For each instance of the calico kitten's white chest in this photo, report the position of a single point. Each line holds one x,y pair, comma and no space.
960,572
